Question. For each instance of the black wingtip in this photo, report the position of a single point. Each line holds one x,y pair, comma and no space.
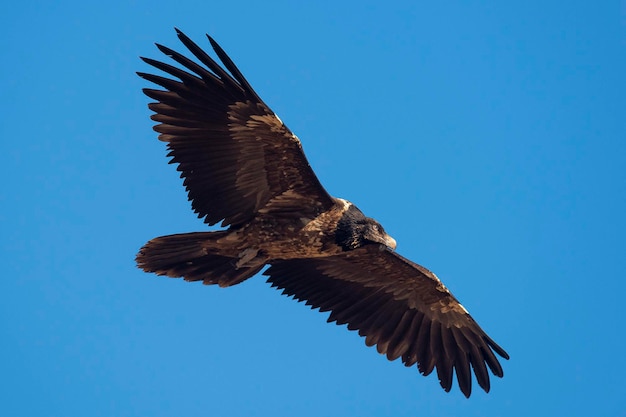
167,51
181,35
213,42
499,350
218,50
230,66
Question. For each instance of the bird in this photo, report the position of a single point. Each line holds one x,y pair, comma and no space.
244,169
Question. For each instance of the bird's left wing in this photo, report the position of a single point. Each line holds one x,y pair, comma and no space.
236,156
400,306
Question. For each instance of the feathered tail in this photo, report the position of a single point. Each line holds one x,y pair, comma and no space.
195,257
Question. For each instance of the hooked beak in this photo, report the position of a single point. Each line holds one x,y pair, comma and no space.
390,242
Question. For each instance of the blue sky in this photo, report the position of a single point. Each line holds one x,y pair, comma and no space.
488,139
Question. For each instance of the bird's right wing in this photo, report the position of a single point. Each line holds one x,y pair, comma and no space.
400,306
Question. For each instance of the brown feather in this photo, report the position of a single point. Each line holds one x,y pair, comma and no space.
208,109
373,290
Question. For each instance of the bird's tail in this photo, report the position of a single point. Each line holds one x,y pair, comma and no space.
195,257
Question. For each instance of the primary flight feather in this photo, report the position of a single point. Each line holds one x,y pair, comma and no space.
244,168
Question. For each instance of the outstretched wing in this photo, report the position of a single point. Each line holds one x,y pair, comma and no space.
236,156
399,306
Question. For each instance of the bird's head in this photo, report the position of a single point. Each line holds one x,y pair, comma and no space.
355,230
375,233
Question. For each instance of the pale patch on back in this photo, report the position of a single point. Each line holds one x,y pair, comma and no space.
345,204
328,219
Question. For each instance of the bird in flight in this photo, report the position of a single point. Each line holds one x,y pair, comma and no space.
244,168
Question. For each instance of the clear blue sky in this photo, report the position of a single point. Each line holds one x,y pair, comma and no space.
488,139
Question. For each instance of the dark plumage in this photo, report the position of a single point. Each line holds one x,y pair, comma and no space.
244,168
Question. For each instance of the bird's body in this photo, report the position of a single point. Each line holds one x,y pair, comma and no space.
265,239
244,168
